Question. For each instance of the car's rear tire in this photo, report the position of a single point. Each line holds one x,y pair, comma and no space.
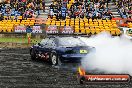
33,55
54,59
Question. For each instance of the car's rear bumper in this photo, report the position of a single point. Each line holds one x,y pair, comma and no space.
72,58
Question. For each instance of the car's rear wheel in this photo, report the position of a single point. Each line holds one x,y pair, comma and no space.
54,59
33,55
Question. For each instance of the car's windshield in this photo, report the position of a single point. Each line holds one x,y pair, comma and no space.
70,41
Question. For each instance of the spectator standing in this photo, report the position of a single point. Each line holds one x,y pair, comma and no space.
8,11
65,3
63,12
51,6
51,12
43,5
1,17
38,2
38,10
28,31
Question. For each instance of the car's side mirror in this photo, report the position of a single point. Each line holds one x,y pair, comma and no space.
39,44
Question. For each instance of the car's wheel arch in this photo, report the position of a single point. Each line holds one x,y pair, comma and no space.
32,49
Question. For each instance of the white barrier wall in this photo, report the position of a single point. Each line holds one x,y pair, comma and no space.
127,32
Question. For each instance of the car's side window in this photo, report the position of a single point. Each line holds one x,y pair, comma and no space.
51,43
44,41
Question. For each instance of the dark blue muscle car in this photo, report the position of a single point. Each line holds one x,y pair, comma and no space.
55,49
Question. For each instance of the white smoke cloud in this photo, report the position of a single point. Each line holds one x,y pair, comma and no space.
113,55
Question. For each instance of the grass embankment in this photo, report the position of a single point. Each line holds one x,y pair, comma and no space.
18,40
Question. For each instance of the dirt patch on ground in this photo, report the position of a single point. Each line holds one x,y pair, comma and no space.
17,70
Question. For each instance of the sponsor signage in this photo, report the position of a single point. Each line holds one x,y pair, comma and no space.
20,29
107,78
52,29
36,29
67,30
60,30
94,78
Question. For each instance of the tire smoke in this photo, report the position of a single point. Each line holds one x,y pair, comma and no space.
113,54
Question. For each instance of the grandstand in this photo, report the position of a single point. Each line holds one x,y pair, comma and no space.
84,16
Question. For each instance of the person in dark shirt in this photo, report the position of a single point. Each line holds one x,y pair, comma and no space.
63,12
28,29
1,17
0,6
124,12
38,10
43,5
38,2
76,3
51,6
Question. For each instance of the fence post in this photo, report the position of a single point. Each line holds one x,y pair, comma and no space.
29,40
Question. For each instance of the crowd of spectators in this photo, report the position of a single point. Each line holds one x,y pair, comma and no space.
25,8
95,9
125,8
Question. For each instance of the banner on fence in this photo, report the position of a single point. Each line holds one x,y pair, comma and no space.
52,30
20,29
60,30
67,30
36,29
